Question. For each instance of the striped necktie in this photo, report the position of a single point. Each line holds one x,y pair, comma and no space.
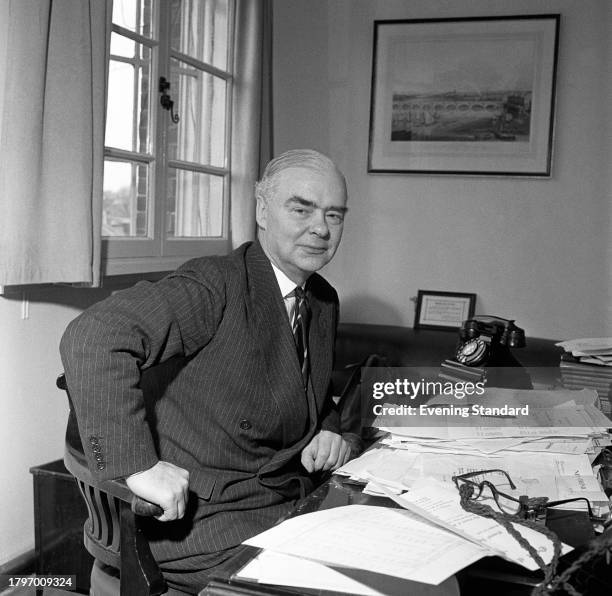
301,320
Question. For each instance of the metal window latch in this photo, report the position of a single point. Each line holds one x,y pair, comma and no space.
165,100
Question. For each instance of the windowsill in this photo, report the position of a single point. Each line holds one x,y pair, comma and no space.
110,282
158,266
118,272
129,257
127,280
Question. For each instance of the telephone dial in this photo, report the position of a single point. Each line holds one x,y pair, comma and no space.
483,350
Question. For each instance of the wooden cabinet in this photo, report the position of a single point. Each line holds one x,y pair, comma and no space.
59,514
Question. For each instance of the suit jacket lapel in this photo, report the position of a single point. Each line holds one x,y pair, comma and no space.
320,350
271,330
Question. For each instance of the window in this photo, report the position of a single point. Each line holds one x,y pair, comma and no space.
166,180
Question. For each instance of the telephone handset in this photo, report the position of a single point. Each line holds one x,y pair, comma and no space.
485,340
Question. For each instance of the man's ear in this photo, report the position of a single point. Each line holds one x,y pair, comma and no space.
261,212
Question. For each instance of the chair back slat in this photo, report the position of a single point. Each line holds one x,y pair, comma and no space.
115,520
105,534
94,529
83,488
96,522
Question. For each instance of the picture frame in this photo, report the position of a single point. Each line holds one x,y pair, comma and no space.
464,96
443,310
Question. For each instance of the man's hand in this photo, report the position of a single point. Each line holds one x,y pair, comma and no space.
326,451
165,485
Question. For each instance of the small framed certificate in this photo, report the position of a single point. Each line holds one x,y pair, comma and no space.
443,310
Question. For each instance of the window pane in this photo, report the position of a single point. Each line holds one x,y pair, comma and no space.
145,91
199,99
125,204
121,46
135,15
127,112
119,110
198,28
195,205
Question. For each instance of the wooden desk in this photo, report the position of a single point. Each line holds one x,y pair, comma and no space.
490,575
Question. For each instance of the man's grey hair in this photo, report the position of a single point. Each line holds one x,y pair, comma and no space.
294,158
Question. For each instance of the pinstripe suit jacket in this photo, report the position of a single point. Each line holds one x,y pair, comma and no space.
230,406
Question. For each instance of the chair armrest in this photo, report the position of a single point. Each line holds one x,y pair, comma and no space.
76,464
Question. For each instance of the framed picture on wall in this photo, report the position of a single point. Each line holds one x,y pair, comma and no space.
466,96
443,310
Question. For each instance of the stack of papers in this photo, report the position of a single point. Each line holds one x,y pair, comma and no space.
590,350
358,548
551,457
588,363
553,475
555,422
332,549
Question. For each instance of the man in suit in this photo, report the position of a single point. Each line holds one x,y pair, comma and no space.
245,418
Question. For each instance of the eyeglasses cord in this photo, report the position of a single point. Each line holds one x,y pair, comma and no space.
506,520
598,546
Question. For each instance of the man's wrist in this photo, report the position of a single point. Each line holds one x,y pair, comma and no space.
138,472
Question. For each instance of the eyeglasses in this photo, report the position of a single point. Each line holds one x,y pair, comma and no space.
523,507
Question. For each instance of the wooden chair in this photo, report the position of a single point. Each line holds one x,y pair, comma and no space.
352,416
123,561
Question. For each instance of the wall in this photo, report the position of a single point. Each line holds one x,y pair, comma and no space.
33,412
534,250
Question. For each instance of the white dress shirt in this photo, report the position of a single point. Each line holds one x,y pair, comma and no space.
287,288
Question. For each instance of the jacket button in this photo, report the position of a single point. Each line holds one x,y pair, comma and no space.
101,466
96,447
93,440
99,457
245,424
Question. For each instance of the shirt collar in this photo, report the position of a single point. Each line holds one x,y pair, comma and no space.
285,284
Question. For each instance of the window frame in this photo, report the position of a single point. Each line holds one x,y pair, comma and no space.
156,252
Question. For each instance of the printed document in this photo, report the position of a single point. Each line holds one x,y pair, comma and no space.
274,568
437,502
393,542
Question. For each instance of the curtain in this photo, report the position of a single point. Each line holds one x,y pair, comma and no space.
251,119
52,110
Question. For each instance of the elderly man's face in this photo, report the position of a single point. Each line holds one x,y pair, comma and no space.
301,222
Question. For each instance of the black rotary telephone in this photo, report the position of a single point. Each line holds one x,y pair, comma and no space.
485,341
483,351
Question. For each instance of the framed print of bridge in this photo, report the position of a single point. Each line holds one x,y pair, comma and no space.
468,96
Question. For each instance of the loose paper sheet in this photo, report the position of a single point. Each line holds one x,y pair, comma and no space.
437,502
280,569
390,541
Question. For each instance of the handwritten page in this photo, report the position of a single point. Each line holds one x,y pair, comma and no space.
438,503
379,539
